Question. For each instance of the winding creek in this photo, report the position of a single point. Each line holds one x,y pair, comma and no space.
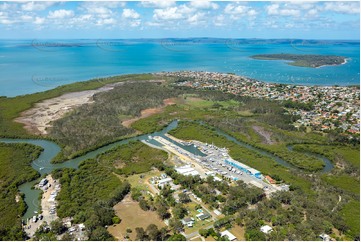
43,166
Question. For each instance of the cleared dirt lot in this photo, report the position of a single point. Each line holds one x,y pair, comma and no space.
132,216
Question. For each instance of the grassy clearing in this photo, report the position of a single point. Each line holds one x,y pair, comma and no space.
140,181
132,216
238,231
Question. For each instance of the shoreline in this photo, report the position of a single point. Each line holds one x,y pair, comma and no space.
343,63
38,118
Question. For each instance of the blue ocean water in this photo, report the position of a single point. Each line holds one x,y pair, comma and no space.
29,66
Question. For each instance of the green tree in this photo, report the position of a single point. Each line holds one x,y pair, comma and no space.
57,226
255,234
141,234
177,237
100,234
176,225
184,198
162,212
153,232
179,211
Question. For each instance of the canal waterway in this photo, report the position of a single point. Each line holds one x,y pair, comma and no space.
44,166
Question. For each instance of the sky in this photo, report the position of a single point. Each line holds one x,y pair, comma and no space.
165,19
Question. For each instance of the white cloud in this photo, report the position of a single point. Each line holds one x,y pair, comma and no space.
196,19
101,9
39,20
312,12
167,14
200,4
275,9
343,7
36,6
236,11
6,6
272,9
26,18
61,13
157,4
6,21
107,21
301,5
135,23
219,20
130,13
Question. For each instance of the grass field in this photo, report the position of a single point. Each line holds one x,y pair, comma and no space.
140,181
238,231
132,216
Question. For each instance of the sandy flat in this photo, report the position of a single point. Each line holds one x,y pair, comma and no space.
37,119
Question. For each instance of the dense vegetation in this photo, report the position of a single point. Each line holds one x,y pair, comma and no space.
15,169
88,195
77,132
133,158
10,108
304,60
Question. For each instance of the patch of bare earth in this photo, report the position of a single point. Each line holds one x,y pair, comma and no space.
266,136
37,119
149,112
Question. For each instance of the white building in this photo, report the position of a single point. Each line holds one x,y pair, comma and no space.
164,181
187,170
266,229
229,235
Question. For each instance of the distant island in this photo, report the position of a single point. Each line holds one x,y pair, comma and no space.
312,61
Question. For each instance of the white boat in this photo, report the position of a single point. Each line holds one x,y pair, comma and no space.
41,168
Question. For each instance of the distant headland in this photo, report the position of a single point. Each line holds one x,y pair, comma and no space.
313,61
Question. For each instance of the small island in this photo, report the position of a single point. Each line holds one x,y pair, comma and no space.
313,61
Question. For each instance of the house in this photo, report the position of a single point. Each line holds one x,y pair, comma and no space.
217,212
266,229
188,221
229,235
203,216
